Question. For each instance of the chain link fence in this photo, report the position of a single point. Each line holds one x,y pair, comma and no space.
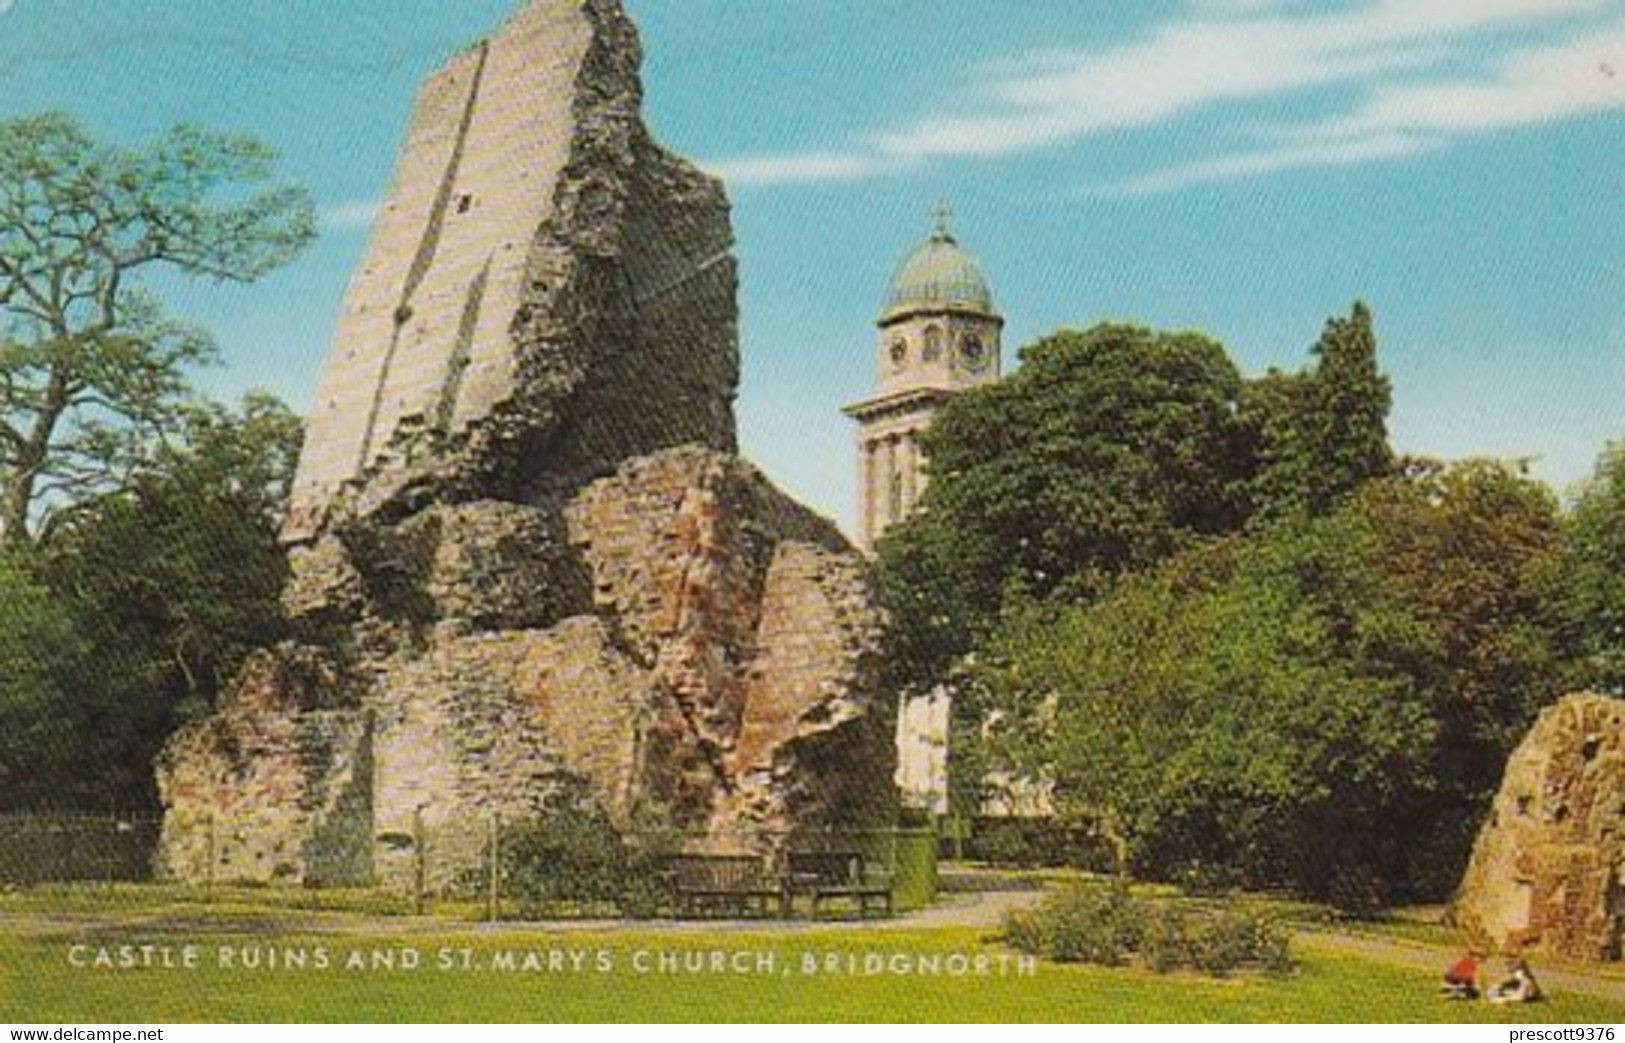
492,868
67,848
552,870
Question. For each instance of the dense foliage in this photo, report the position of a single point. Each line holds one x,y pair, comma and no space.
1246,705
138,558
572,858
1316,436
1239,636
40,650
1303,704
1105,452
149,601
1585,582
1465,547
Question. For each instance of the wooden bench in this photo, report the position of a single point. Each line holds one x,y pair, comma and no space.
840,876
724,885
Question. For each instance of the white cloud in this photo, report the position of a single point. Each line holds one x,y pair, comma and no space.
1538,85
1241,6
1199,62
1393,19
1579,76
1186,68
1282,157
1226,52
358,214
801,167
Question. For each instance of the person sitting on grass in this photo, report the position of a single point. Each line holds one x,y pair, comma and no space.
1519,987
1461,979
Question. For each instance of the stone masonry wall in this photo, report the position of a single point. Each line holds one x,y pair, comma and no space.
536,248
1545,874
526,561
277,786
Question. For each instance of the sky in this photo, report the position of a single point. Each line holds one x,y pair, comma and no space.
1246,168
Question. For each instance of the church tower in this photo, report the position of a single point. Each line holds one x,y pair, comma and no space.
938,335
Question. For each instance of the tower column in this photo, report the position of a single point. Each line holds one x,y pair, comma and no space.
868,463
911,471
893,488
921,479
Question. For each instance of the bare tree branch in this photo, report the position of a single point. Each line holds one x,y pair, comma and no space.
91,370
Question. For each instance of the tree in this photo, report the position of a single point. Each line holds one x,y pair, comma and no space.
1319,435
1325,703
40,651
92,369
1103,453
172,582
1349,419
1584,583
1466,544
1263,704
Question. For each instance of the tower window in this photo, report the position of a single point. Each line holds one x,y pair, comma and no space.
899,353
465,204
974,353
933,343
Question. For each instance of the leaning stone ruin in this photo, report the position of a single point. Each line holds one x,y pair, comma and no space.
1545,872
527,560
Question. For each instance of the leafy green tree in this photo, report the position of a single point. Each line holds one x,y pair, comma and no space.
1349,420
1262,704
1466,544
171,583
92,369
1325,703
1319,435
1107,452
1584,584
1103,453
40,651
1274,414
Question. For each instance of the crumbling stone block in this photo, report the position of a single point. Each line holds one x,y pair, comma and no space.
1545,871
526,560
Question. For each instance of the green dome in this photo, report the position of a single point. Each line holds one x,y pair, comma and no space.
938,276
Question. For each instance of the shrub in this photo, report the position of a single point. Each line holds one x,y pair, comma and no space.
1221,943
1165,943
563,859
1006,844
1092,924
1024,931
1031,842
1105,926
1207,879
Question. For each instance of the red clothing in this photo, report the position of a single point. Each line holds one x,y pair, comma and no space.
1463,972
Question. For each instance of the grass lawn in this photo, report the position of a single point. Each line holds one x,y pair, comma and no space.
801,973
